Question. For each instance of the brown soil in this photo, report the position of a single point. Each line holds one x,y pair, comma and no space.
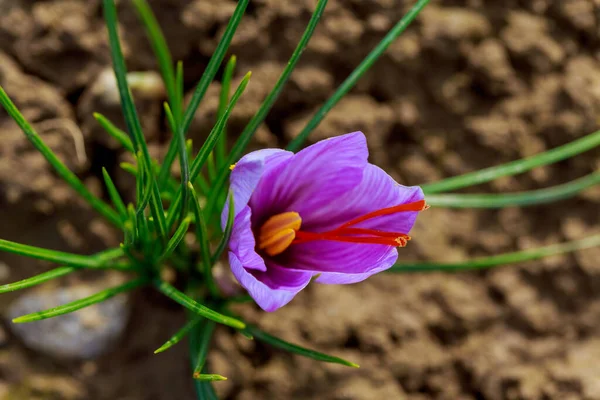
472,83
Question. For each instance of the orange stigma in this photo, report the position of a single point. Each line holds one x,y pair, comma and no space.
348,233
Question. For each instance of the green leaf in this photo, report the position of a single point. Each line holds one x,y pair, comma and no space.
179,297
209,377
183,164
61,257
351,80
221,148
114,195
563,152
205,332
180,334
265,107
202,236
226,234
204,389
208,146
208,76
129,112
530,198
115,132
82,303
161,51
502,259
104,209
176,239
292,348
36,280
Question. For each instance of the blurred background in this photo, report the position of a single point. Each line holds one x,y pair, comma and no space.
470,84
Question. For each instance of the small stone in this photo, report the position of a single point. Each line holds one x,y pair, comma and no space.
84,334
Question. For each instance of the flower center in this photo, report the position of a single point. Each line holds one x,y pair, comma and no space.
279,232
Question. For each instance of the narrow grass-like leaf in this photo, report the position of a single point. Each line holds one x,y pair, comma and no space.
176,239
351,80
82,303
115,132
208,146
179,91
529,198
221,148
36,280
101,259
114,195
563,152
61,257
292,348
192,305
161,51
131,118
202,236
226,233
104,209
264,108
204,389
207,77
180,334
501,259
183,163
205,333
209,377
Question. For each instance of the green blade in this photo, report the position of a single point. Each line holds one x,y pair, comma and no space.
221,149
502,259
563,152
61,257
208,76
180,334
129,112
183,162
205,332
38,279
530,198
115,132
204,389
208,146
161,51
79,304
227,233
209,377
175,239
114,195
292,348
179,297
202,236
265,107
357,74
69,177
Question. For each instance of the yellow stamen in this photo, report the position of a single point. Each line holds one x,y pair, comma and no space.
231,167
279,232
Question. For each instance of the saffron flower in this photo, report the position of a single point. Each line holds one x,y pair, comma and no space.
324,213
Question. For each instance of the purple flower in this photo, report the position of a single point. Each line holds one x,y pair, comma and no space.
323,213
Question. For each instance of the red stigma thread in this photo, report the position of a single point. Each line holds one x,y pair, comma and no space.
350,234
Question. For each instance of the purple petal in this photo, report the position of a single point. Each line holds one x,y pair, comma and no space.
242,242
269,299
377,190
247,173
339,278
312,178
